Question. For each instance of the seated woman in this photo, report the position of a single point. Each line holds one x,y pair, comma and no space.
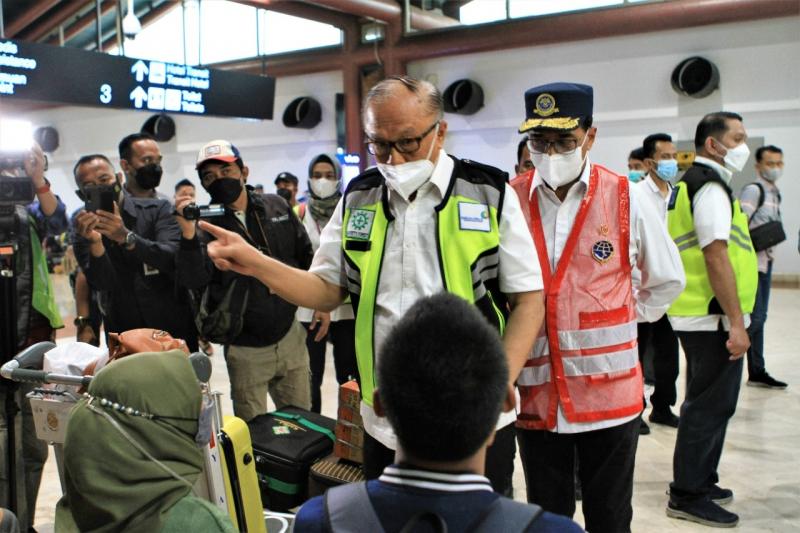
131,454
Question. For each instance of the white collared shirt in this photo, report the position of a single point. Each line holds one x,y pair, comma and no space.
651,250
712,216
651,196
410,268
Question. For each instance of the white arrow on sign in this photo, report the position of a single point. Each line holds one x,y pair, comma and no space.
140,69
138,95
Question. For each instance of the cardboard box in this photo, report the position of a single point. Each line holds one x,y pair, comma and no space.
350,433
343,450
349,395
348,414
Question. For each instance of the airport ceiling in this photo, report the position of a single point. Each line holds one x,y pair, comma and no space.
73,22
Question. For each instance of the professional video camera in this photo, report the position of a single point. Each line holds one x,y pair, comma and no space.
16,187
194,212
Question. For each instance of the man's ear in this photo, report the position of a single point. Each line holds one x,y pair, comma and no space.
591,134
245,173
377,406
510,401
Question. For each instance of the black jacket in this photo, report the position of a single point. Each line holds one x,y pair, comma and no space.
137,287
267,317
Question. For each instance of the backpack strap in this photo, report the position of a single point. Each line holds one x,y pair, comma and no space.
348,509
507,515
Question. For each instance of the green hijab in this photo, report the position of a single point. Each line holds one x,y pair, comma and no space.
110,484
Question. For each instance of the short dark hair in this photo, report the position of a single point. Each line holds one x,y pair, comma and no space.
442,378
520,148
586,122
637,153
126,143
768,148
184,183
713,125
85,159
649,143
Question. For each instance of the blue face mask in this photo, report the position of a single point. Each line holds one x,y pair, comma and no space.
636,175
668,170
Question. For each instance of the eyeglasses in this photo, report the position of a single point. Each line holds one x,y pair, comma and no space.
563,146
404,146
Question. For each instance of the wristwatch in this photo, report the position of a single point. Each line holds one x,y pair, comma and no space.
81,321
130,240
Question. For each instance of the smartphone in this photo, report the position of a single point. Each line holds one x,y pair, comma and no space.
100,198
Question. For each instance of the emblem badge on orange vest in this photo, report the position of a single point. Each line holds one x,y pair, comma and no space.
602,251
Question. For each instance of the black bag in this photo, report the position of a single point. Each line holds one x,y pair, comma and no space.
285,444
767,235
223,323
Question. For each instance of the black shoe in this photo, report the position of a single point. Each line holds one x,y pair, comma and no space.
720,496
703,512
644,429
766,381
664,417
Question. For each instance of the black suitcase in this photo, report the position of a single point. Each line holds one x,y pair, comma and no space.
285,444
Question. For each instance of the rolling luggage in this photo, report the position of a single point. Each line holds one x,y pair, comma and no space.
286,443
241,482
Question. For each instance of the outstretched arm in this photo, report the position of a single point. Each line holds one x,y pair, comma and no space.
231,252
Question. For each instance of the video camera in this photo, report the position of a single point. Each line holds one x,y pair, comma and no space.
194,212
16,187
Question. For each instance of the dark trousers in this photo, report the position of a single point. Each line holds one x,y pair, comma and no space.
662,341
342,335
499,459
712,389
755,354
605,460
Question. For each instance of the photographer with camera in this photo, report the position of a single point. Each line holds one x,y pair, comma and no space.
265,348
126,246
23,225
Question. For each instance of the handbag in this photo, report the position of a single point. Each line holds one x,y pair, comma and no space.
767,235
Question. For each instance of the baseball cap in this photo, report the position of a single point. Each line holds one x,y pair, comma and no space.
219,150
558,106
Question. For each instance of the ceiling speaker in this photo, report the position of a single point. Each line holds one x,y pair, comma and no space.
161,127
303,112
464,97
696,77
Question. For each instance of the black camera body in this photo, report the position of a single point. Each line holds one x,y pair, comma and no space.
15,186
195,212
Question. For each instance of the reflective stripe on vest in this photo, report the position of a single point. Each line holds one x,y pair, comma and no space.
698,296
468,241
586,360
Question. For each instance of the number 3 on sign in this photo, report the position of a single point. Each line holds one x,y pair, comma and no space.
105,93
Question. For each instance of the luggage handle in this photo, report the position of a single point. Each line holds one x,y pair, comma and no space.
307,423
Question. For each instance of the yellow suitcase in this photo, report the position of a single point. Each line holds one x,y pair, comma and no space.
241,481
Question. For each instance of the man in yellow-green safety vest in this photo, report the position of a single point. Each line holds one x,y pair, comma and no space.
35,314
419,223
710,317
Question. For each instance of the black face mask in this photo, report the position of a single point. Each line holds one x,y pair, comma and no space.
149,176
225,190
286,194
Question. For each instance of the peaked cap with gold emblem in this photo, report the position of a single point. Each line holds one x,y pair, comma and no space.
557,106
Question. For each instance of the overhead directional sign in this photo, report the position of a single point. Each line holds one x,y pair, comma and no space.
69,75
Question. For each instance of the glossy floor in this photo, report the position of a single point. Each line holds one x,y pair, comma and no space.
760,461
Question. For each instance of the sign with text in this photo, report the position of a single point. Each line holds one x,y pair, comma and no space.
69,75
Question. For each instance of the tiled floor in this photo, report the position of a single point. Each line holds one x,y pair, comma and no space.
760,461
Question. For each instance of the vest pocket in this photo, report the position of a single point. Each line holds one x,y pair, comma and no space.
601,319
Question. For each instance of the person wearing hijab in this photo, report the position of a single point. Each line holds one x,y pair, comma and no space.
338,326
132,452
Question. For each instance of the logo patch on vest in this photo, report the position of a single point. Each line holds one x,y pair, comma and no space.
602,251
359,225
474,217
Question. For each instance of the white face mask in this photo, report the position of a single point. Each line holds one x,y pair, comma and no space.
559,169
406,178
772,174
736,158
323,187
